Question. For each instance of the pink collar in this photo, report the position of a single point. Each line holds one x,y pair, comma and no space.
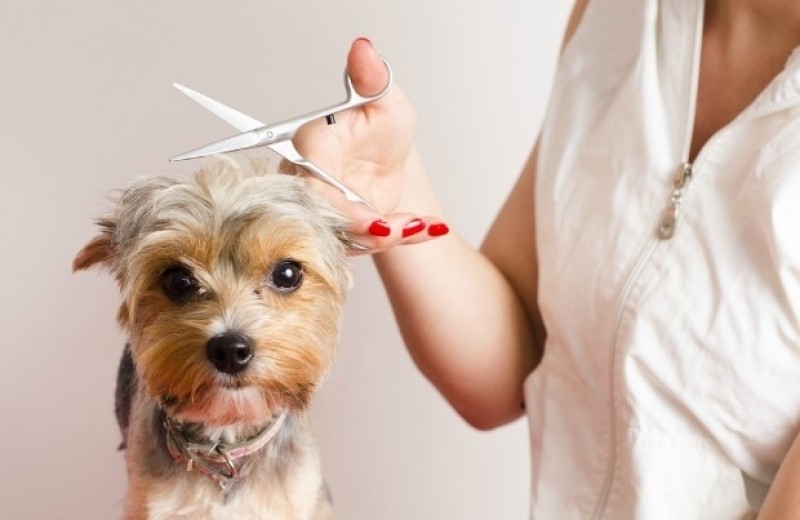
216,459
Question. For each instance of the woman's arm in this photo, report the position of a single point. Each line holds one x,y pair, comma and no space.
783,499
461,318
469,318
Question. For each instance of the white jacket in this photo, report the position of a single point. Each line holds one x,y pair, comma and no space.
670,384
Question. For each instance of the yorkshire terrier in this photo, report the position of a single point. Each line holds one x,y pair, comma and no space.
232,284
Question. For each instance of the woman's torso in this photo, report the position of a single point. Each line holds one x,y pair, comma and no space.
668,382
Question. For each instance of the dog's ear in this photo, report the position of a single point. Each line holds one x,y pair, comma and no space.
99,250
123,224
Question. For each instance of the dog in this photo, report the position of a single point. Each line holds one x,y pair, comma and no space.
232,285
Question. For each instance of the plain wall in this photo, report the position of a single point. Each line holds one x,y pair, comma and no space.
86,105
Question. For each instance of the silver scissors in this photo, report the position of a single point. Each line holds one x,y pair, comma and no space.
278,136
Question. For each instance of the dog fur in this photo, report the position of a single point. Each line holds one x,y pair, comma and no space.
228,234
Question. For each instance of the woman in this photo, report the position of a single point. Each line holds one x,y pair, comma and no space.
639,293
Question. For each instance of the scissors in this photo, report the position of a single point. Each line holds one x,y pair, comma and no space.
278,136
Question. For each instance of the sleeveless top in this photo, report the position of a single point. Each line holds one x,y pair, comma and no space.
670,383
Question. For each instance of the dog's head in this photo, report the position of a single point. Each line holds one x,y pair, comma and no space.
232,285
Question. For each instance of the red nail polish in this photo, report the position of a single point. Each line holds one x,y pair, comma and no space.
437,230
413,227
379,228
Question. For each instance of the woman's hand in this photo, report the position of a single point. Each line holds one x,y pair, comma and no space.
371,150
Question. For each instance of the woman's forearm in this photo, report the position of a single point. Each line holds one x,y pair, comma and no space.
463,324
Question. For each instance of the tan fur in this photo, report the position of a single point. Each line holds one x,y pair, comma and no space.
229,228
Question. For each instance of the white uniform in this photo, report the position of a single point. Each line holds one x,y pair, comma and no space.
670,385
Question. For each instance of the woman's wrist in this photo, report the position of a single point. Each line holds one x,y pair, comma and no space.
418,196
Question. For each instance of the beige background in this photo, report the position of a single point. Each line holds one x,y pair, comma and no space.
86,104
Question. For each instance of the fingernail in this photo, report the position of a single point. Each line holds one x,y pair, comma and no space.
437,230
413,227
379,228
365,39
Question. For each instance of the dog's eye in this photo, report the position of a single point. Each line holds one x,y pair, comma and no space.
286,276
178,284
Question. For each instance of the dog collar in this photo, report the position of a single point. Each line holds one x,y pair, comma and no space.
216,459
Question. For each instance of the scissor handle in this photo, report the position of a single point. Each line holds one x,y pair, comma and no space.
287,129
355,99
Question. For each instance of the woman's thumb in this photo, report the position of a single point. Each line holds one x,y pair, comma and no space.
365,67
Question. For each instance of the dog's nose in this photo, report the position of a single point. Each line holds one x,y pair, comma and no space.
229,353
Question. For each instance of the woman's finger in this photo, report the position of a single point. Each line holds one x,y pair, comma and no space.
394,230
366,68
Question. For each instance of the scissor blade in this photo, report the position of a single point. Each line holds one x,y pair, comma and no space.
234,118
243,141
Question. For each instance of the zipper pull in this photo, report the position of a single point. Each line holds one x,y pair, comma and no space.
669,218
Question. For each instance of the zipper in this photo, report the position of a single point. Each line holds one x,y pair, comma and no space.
667,225
669,218
666,229
638,267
